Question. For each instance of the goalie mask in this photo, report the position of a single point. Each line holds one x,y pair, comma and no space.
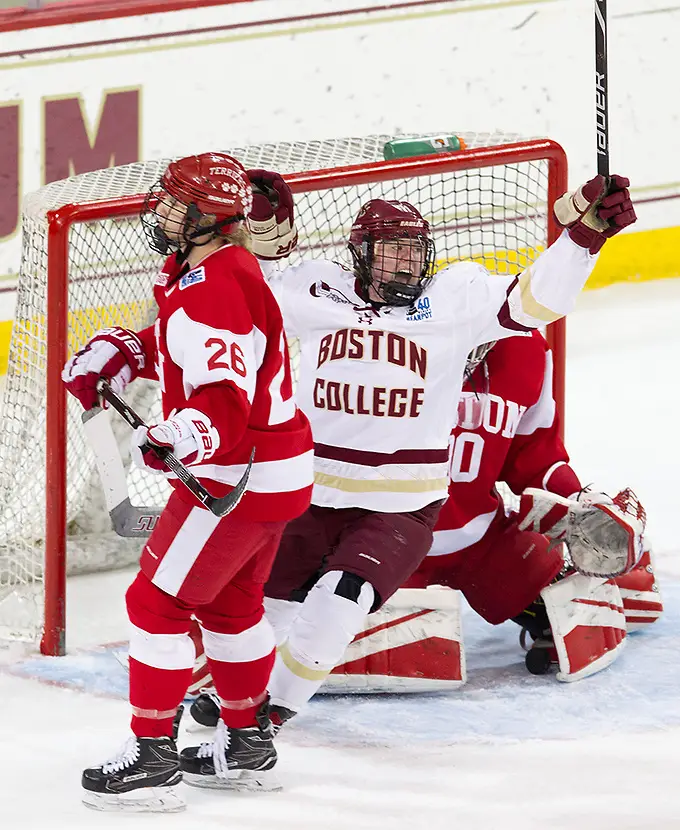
393,252
196,199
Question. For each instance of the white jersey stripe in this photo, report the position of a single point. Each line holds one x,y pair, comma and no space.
198,527
283,476
451,541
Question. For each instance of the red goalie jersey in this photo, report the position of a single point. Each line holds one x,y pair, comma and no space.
508,430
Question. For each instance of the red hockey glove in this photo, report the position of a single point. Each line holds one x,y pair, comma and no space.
116,354
594,212
272,218
189,436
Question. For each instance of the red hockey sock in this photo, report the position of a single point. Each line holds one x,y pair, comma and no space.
242,688
155,695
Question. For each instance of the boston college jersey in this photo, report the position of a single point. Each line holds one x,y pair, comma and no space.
217,346
508,430
380,385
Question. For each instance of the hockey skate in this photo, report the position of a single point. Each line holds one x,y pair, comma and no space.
140,779
236,759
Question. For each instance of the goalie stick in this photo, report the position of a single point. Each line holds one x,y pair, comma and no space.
218,506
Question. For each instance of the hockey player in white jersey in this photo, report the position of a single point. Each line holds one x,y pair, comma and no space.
383,355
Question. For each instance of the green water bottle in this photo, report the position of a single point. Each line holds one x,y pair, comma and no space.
401,148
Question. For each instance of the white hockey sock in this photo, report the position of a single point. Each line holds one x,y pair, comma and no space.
326,624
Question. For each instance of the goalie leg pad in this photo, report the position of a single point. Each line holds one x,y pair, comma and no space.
414,643
201,679
642,602
587,622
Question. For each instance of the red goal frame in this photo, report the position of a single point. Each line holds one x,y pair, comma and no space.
62,219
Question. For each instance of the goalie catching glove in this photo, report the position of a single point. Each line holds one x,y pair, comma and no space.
116,354
272,219
189,435
596,211
603,535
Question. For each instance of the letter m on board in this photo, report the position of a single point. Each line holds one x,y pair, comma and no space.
73,145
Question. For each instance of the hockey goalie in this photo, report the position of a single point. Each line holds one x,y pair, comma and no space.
551,565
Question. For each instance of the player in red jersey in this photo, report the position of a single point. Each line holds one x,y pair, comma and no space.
508,431
218,350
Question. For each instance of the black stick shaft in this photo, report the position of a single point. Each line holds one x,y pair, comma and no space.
601,88
219,506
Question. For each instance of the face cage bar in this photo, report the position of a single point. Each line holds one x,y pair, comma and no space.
59,223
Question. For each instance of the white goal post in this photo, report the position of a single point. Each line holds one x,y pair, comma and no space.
85,265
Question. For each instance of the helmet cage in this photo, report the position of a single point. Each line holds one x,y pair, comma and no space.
173,226
393,291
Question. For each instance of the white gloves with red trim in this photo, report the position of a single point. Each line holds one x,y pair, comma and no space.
115,354
603,535
189,435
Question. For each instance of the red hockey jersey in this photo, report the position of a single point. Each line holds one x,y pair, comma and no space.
218,346
508,430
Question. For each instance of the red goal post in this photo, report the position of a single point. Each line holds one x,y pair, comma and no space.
491,203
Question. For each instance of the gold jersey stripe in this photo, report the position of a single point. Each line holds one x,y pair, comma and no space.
299,669
529,303
381,485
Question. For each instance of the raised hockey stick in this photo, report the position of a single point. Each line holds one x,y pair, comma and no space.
126,518
218,506
601,88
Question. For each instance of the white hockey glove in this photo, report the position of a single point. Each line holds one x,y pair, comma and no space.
272,219
603,535
189,435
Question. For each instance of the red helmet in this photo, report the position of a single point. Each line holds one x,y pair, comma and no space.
211,185
216,183
384,221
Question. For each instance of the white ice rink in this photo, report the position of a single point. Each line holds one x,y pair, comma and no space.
507,752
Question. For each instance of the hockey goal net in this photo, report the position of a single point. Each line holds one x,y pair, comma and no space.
85,265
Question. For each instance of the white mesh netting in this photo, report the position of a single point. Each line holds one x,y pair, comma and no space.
497,214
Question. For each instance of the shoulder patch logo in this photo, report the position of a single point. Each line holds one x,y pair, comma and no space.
193,277
420,310
161,279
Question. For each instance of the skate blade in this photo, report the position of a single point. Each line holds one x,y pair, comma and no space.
143,800
244,780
